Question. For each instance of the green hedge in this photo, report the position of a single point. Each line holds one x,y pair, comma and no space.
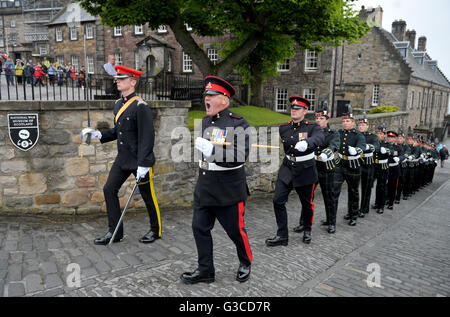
384,109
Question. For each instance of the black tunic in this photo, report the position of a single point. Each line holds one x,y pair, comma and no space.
228,187
299,173
134,133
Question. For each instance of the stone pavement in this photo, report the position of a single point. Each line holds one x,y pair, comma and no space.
409,247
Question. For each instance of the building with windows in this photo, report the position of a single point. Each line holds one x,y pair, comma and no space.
384,68
23,27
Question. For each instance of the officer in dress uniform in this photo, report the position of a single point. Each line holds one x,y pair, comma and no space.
412,162
403,185
381,169
352,145
298,171
396,156
221,190
133,129
326,157
367,168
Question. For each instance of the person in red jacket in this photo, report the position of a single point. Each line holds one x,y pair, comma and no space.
38,73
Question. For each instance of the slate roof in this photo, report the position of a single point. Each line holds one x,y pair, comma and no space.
72,12
423,71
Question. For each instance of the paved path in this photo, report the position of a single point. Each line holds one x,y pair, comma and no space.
409,245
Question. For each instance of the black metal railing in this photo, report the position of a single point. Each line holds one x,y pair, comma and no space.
164,86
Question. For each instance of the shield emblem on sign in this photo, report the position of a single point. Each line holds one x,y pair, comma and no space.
23,130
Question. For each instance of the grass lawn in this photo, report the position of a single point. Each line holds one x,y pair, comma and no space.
255,116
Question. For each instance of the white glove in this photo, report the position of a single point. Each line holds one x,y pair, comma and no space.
204,146
383,150
352,150
396,159
95,135
323,157
141,172
301,146
410,158
367,147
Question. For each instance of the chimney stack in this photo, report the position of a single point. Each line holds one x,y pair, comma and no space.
399,30
422,44
411,37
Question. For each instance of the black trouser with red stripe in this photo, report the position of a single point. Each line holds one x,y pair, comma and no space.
327,187
232,220
306,195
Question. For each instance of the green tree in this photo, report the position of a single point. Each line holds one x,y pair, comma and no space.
254,24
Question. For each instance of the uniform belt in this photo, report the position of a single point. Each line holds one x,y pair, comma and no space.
381,161
214,167
328,159
300,158
349,158
393,164
367,154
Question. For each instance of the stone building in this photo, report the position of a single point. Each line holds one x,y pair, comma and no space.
23,27
384,68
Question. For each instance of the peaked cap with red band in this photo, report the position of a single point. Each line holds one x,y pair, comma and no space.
125,72
218,86
298,102
323,113
392,134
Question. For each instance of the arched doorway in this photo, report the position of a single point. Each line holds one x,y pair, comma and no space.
150,64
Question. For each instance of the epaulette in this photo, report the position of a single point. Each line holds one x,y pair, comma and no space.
285,124
141,101
311,122
232,115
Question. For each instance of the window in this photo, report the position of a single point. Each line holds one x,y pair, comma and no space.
117,31
187,63
376,95
169,62
90,64
13,23
43,50
162,29
89,31
58,35
60,60
283,67
418,101
73,33
311,61
281,99
412,100
310,94
2,42
138,29
75,61
213,55
137,62
118,57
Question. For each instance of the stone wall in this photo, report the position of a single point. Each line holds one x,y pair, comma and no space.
53,178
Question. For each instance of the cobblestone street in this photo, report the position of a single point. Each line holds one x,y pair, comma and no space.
410,245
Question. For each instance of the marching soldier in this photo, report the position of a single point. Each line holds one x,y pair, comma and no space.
381,169
351,148
367,168
403,185
133,129
326,164
221,189
394,168
413,159
298,171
